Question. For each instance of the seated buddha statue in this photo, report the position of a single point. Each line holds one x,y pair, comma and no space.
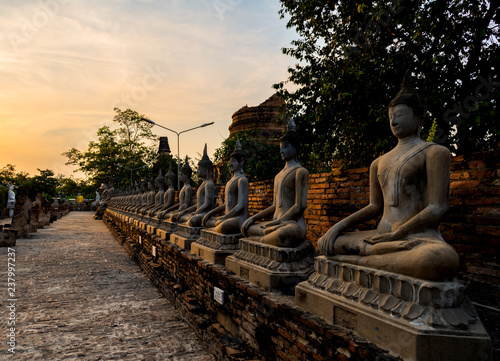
287,228
169,195
141,197
235,207
174,212
409,187
150,197
158,198
205,195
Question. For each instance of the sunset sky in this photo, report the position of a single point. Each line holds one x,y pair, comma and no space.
65,64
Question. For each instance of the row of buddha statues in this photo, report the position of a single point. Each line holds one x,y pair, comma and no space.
403,270
408,187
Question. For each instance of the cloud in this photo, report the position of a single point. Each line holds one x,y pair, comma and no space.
178,63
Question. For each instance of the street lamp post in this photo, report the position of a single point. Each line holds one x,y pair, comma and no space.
178,134
131,170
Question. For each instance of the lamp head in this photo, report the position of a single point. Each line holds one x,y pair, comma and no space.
148,120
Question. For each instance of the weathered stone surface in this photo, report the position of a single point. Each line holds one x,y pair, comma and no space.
79,296
185,235
22,215
412,318
215,247
263,118
270,267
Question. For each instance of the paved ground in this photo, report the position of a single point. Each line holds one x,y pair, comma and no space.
80,297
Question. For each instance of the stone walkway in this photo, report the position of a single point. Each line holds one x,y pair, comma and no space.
80,297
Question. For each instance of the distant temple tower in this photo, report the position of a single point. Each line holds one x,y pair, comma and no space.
164,147
263,118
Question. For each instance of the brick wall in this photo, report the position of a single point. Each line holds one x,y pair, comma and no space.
251,324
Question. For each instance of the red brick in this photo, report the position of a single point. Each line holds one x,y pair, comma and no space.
318,185
302,344
285,334
312,324
283,356
316,191
483,201
482,174
320,179
464,184
477,164
458,175
488,230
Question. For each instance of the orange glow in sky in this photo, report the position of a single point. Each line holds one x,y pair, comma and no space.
65,64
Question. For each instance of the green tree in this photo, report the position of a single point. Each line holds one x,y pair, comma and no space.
352,57
44,183
71,188
117,151
9,174
262,160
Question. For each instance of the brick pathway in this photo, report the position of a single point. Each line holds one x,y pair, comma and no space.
80,297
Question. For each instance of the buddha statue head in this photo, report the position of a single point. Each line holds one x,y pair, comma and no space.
186,171
289,143
160,181
406,99
204,165
237,158
170,176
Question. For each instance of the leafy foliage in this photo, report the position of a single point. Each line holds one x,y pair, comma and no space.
71,188
9,174
117,153
352,57
46,183
262,159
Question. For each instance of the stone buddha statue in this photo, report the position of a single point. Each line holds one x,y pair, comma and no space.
287,228
158,199
132,199
11,200
169,195
409,187
150,197
235,207
274,254
205,195
141,197
185,195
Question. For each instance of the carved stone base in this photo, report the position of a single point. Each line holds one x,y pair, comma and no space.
166,229
270,267
412,318
153,224
185,235
215,247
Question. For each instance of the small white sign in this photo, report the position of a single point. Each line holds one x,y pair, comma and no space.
140,239
219,295
153,251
